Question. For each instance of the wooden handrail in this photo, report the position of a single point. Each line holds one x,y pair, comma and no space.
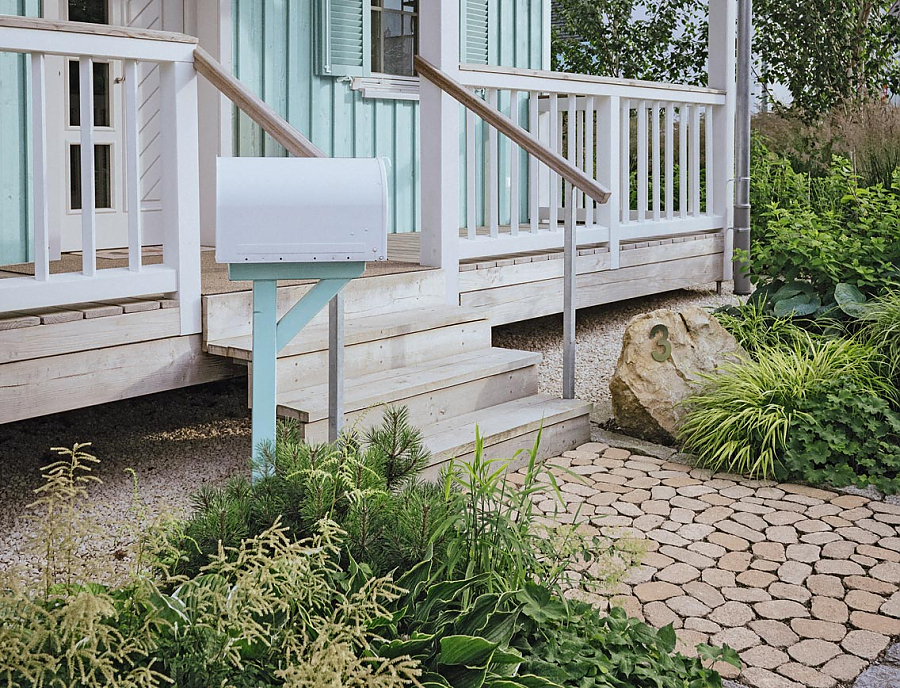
513,131
16,22
254,107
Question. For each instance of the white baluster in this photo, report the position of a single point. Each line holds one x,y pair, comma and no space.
709,185
670,161
88,192
40,186
534,199
514,168
695,161
589,157
656,163
493,172
471,171
683,116
554,177
570,192
625,162
642,161
132,166
610,162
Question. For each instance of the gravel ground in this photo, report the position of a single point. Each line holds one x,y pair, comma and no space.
599,333
177,441
174,441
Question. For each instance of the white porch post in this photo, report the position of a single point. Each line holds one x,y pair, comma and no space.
210,21
181,186
722,61
439,113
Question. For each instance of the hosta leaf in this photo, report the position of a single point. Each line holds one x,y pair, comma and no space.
850,299
466,649
798,306
465,677
412,647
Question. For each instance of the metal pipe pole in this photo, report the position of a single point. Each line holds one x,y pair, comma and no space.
335,367
742,284
569,277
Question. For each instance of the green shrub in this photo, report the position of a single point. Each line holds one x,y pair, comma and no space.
493,530
881,330
824,231
368,485
532,637
845,436
741,419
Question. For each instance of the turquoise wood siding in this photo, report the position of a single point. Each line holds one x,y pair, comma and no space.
15,189
274,44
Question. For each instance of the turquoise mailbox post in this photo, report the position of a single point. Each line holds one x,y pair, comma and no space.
298,219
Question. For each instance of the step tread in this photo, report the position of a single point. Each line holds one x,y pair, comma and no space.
501,422
357,330
310,404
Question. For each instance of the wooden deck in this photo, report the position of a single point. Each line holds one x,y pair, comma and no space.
521,286
57,359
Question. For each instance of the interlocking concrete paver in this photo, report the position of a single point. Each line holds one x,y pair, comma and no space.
805,583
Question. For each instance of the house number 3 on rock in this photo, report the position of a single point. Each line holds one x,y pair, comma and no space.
664,350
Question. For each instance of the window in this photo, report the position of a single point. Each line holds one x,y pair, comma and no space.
395,36
102,176
91,11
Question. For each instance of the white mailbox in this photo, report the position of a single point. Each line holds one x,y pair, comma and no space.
301,210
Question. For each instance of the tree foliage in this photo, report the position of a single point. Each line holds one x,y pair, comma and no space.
633,39
827,51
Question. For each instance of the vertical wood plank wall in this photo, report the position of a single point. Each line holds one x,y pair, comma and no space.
15,187
273,54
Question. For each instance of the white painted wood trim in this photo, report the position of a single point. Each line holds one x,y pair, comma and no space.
610,135
656,162
641,160
514,212
18,293
480,76
387,87
133,166
439,145
471,174
485,246
492,169
670,161
88,192
59,41
683,165
181,187
589,127
40,187
534,182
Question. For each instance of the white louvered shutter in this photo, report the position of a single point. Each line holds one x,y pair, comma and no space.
345,39
476,32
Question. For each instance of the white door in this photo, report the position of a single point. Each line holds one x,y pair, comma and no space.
64,135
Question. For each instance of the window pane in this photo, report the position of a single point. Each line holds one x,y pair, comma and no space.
377,64
102,176
102,115
399,32
92,11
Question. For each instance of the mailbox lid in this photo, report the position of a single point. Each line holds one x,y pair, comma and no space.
300,210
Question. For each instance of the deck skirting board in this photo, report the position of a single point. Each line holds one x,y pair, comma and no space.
81,335
69,381
517,302
536,271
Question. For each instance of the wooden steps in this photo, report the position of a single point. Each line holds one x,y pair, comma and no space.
509,428
432,391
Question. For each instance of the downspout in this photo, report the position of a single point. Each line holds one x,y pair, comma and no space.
742,284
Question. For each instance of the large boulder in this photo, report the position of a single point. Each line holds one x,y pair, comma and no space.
663,355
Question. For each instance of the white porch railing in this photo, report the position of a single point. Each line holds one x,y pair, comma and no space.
179,273
650,144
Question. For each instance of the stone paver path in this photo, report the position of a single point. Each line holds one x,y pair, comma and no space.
802,582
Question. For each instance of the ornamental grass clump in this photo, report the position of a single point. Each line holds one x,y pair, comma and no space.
881,331
741,418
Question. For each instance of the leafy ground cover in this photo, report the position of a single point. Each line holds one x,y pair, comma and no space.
342,568
817,399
